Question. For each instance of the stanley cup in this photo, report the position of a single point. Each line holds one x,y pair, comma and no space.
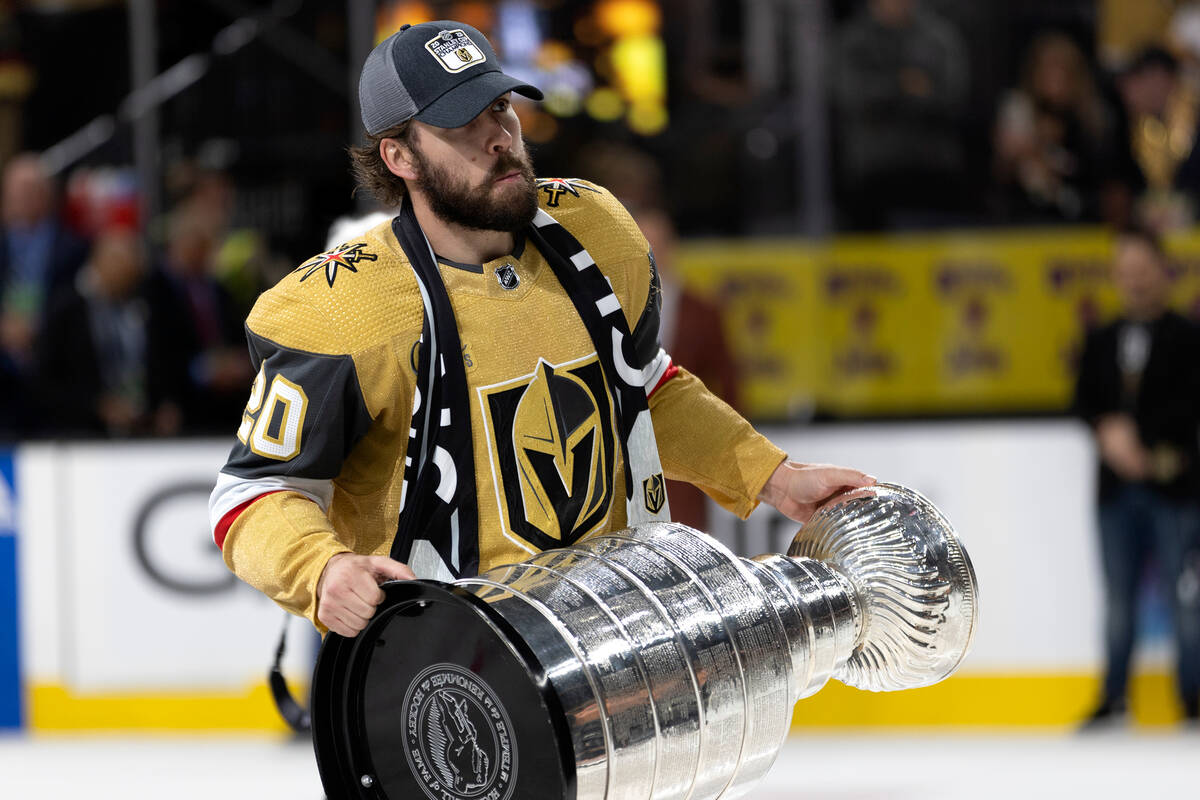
645,663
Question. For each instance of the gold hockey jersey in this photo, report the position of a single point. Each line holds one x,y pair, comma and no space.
319,463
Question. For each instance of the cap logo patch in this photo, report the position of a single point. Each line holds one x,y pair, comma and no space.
455,51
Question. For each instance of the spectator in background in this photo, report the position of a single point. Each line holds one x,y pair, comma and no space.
900,90
1159,132
1139,389
196,335
38,257
1050,137
91,354
242,261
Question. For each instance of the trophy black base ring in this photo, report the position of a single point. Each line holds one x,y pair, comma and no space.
437,697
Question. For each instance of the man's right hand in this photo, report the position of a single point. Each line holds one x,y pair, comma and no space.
1121,447
348,590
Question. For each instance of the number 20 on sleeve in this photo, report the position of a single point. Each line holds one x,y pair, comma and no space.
272,426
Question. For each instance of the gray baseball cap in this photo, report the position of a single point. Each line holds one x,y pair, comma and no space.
441,73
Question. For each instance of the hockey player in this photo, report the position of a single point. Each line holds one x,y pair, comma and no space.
475,380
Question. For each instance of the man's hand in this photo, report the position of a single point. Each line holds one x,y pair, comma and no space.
1121,447
798,490
348,590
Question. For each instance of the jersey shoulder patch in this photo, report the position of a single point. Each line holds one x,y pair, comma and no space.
351,257
343,258
585,209
594,216
355,296
552,191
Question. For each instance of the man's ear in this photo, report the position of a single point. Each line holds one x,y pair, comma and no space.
398,157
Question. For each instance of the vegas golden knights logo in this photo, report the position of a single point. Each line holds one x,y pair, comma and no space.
654,492
553,450
464,55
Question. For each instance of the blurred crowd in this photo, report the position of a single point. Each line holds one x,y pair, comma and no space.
113,328
116,325
1100,130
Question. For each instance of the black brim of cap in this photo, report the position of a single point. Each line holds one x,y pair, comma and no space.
463,103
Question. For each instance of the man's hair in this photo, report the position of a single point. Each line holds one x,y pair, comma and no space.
372,174
1148,237
1153,57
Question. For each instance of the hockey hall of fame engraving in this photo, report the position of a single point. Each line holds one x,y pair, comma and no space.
458,737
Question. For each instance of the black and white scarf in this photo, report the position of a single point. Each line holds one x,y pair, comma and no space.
437,533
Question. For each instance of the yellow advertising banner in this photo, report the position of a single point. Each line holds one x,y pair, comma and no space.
768,293
948,323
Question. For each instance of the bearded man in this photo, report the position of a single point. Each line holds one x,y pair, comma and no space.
475,380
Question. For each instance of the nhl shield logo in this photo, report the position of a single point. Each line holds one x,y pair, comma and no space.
508,277
654,492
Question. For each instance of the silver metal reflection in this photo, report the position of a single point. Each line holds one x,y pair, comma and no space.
678,663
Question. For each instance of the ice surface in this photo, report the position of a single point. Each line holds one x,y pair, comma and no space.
912,765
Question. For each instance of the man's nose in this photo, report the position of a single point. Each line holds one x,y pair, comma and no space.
499,139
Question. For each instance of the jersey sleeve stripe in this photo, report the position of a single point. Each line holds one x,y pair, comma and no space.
233,491
670,372
221,530
652,375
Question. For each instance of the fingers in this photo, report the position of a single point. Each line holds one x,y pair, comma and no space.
837,477
798,489
361,597
344,625
348,591
390,569
343,610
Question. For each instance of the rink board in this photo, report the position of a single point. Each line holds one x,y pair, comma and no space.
128,618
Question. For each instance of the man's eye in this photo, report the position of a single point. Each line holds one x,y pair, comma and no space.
501,105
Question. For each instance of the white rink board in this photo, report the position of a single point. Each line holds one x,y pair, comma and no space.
95,616
94,620
1020,494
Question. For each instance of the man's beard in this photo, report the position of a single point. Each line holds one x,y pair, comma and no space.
481,207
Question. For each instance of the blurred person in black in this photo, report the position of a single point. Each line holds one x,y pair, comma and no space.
1050,138
196,335
1161,165
900,86
91,355
38,258
1139,389
242,260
